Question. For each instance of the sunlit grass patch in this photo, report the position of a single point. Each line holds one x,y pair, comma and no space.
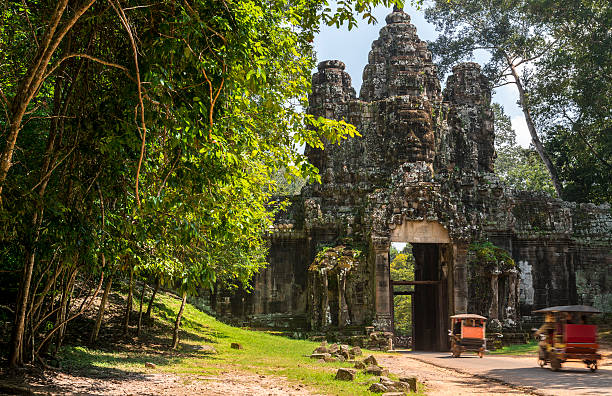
263,353
517,349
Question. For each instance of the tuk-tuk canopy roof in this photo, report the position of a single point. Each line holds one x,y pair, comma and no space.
468,316
569,308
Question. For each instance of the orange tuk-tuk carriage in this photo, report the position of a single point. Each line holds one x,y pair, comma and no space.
567,335
468,334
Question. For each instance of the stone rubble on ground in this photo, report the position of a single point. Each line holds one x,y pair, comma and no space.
345,374
335,352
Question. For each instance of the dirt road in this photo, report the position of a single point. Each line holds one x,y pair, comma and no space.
574,379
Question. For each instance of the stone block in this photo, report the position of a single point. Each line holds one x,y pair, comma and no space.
355,351
345,374
377,370
411,382
370,360
320,356
321,349
360,365
236,345
377,388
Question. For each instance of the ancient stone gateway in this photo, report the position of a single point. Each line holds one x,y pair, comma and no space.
422,173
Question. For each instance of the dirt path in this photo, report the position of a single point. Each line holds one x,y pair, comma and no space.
227,383
446,382
521,371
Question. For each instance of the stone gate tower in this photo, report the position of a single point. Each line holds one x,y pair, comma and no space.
421,173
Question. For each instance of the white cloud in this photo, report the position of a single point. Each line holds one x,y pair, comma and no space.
523,137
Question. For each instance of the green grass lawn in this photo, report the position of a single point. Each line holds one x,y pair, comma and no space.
517,349
262,353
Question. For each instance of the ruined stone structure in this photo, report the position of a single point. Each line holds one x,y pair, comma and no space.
421,173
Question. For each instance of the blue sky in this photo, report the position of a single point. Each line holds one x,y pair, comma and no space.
353,47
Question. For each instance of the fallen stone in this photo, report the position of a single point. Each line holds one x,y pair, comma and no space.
344,348
377,388
331,359
321,349
321,360
376,370
333,348
320,356
340,358
207,349
370,361
411,382
236,345
345,374
355,351
373,370
360,365
394,394
150,365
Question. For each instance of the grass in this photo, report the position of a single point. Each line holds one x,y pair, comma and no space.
604,334
262,353
517,349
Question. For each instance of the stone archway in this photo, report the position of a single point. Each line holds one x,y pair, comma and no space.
433,297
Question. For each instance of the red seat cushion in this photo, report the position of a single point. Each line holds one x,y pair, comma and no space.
577,333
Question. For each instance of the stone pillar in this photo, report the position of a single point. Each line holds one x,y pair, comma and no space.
460,275
513,286
383,320
494,309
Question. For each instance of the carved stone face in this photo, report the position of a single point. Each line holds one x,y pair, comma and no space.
410,131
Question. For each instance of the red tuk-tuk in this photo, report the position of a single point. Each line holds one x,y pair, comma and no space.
567,335
468,334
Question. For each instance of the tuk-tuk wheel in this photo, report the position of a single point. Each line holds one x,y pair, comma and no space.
555,364
593,367
542,362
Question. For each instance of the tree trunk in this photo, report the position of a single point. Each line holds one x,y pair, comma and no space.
534,135
15,356
150,307
63,313
96,329
144,284
34,77
177,324
17,337
128,308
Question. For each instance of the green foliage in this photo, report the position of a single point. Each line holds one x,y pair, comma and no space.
337,257
560,53
402,268
164,163
484,258
519,168
572,94
286,185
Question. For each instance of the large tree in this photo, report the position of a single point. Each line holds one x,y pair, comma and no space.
503,29
559,56
144,138
518,167
572,94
